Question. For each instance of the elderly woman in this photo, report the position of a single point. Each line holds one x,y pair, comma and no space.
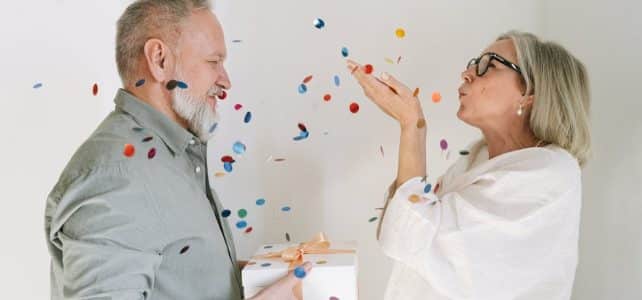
503,222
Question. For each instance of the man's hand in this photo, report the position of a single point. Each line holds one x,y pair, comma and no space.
284,288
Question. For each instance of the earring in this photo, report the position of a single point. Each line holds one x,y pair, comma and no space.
520,111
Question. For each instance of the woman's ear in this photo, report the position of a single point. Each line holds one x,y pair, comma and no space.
158,59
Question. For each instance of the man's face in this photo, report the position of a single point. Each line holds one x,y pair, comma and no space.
199,64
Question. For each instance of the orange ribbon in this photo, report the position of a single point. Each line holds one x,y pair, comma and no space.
294,255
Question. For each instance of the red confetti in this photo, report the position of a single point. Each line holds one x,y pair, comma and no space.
94,89
227,159
238,106
302,127
248,230
368,68
152,153
307,79
416,93
327,97
129,150
437,187
354,107
222,95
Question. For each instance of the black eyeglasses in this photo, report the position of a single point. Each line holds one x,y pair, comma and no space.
484,60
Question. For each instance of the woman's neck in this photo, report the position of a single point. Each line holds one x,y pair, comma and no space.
500,142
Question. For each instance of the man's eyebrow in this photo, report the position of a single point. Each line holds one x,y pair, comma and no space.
218,54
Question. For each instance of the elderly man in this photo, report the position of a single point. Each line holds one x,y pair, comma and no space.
132,215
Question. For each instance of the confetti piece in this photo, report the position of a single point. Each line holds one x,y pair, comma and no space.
239,148
318,23
307,79
423,179
241,224
267,247
400,33
414,198
372,219
302,136
227,159
443,144
354,107
226,213
416,93
228,167
381,150
251,263
260,202
248,117
265,265
184,249
337,80
437,187
286,208
436,97
303,88
302,127
299,272
287,236
389,60
242,213
249,229
327,97
427,188
464,152
279,159
152,153
147,139
238,106
171,85
368,69
421,123
137,129
219,174
140,83
37,85
237,41
129,150
344,52
94,89
398,59
213,127
222,95
334,298
321,262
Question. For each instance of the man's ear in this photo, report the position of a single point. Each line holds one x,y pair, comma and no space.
159,59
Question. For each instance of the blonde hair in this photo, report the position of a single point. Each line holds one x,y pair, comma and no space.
559,83
146,19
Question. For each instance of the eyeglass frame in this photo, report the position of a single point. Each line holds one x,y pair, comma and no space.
475,61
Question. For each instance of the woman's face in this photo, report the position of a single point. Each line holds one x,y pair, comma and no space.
492,100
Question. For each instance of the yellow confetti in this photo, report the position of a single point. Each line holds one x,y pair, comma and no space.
414,198
219,174
400,32
389,60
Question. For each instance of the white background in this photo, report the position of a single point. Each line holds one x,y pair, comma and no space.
336,178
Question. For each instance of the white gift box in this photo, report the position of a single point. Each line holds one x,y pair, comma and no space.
332,275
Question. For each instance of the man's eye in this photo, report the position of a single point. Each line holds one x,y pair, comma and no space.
214,62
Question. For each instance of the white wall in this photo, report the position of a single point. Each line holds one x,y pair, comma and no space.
333,182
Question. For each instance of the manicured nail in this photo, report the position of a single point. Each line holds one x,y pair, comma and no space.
385,76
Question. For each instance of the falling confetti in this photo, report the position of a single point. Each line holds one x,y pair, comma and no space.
226,213
437,187
414,198
321,262
344,52
147,139
260,202
318,23
354,107
222,95
279,159
302,127
242,213
152,153
464,152
327,97
381,150
37,85
307,79
287,236
398,59
372,219
286,209
238,106
436,97
129,150
139,83
137,129
213,127
94,89
265,265
416,93
171,85
427,188
421,123
219,174
249,229
299,272
303,88
400,33
241,224
302,136
237,41
228,167
443,144
389,60
227,159
239,148
248,117
337,80
267,247
185,249
368,69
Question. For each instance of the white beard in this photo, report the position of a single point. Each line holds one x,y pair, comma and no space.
196,111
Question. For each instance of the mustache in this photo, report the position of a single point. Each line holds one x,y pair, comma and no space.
215,91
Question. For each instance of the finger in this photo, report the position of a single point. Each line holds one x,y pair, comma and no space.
298,274
396,85
374,88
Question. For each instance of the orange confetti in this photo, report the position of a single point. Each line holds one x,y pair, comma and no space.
414,198
129,150
436,97
327,97
219,174
416,93
307,79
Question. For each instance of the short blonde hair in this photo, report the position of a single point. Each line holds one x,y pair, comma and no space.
559,83
146,19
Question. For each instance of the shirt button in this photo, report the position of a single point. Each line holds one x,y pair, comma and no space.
192,142
198,169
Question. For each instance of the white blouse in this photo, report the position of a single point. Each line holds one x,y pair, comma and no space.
504,228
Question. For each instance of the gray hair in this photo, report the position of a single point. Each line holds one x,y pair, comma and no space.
559,82
146,19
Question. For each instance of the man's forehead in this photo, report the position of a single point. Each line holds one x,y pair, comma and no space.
202,30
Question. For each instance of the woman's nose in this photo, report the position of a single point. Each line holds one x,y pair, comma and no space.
467,75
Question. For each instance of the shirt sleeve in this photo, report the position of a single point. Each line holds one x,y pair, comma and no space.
93,230
505,223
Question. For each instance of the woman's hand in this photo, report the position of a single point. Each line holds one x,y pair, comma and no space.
392,96
284,288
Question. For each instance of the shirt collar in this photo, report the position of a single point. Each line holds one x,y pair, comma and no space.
175,137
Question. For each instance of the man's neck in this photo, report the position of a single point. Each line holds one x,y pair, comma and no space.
159,99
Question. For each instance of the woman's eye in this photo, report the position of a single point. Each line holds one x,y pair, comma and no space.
492,66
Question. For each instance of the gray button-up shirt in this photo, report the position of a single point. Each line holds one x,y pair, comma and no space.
143,226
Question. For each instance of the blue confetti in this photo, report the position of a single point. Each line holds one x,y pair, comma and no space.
265,265
140,82
181,84
337,80
286,208
267,247
344,52
227,166
260,202
248,117
241,224
226,213
427,188
239,148
213,127
236,41
302,88
318,23
37,85
299,272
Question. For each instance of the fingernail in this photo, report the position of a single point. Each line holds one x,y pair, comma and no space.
385,76
351,65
